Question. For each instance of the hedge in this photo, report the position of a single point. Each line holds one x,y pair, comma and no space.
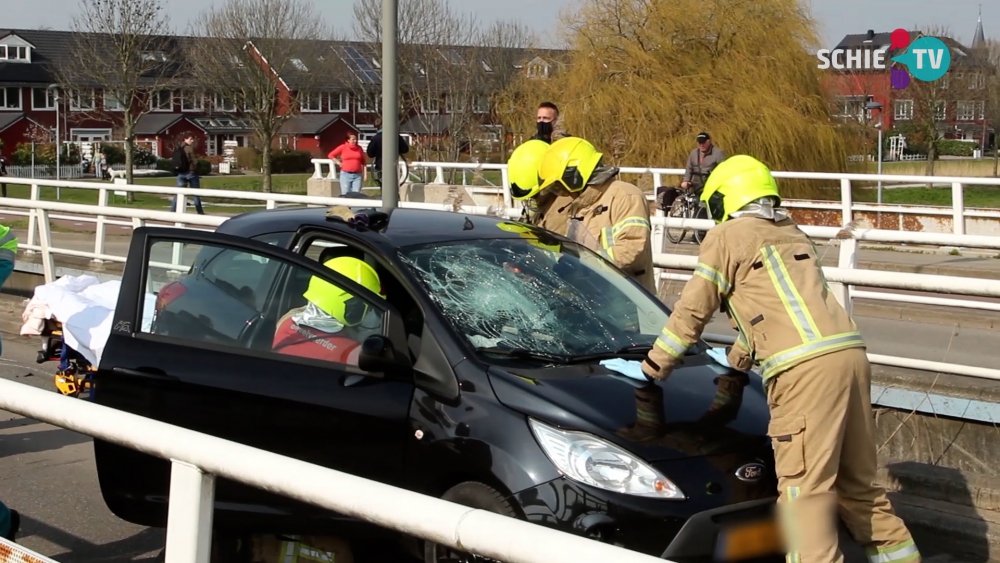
951,147
291,162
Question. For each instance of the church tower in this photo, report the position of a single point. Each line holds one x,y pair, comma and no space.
978,39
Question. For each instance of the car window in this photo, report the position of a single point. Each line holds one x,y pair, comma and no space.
215,295
547,297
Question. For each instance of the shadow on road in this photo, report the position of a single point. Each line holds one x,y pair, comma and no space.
78,550
40,441
17,423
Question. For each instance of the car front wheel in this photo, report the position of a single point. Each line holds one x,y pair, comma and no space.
473,495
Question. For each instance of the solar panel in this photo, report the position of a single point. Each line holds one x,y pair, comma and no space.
360,65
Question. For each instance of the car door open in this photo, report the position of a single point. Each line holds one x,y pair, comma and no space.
199,340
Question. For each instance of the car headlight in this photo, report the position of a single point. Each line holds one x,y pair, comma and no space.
590,460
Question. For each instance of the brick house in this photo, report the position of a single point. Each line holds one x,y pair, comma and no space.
960,109
347,99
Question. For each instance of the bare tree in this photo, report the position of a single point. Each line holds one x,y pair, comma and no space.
255,56
503,46
990,53
122,48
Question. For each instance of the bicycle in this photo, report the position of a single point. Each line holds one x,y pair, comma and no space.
680,203
402,170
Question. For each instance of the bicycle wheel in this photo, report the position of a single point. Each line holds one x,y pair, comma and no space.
677,211
700,213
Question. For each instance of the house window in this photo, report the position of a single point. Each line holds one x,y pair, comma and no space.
339,101
481,104
311,101
10,98
430,106
486,66
112,103
853,107
224,103
82,100
974,81
14,53
299,65
902,110
982,110
538,70
966,111
454,104
192,101
943,83
161,100
940,110
367,105
43,98
157,56
981,80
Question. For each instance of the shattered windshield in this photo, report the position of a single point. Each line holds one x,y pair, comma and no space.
548,298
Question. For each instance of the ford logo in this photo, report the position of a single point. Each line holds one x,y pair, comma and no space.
751,472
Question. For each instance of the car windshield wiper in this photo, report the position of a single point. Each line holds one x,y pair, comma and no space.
522,354
630,349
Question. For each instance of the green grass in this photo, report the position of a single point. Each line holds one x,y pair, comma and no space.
983,196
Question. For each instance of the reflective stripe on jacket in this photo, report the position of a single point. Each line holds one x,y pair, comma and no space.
614,217
8,244
767,276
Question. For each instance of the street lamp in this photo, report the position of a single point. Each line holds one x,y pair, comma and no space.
875,106
58,135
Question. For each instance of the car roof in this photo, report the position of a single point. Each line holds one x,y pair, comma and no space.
406,227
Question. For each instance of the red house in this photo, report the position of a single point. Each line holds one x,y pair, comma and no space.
960,111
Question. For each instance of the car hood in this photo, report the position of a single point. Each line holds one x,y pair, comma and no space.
702,409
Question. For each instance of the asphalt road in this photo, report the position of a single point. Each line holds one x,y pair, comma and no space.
48,475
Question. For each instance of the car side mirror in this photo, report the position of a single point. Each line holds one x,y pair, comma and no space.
378,355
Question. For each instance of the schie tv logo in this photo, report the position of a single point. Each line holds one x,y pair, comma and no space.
927,59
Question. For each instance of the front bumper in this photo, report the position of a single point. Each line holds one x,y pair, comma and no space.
671,530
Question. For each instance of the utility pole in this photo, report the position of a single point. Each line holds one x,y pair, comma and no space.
390,106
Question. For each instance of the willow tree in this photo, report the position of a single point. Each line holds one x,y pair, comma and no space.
645,76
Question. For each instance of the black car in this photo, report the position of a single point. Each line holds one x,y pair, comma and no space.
480,381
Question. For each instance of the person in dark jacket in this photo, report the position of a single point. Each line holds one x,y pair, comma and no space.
189,177
374,151
3,172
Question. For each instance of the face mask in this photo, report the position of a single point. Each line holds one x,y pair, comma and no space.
545,128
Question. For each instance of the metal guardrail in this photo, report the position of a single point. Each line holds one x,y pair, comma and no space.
197,459
842,278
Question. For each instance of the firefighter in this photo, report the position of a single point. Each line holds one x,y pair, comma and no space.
596,210
765,271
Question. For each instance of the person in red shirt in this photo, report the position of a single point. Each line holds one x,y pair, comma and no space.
353,164
333,323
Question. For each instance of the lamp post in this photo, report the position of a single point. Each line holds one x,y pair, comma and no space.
390,106
875,106
58,136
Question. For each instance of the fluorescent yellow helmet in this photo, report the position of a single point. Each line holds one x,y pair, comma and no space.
570,161
735,182
335,301
522,168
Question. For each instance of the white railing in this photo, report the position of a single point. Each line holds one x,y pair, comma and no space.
843,277
197,459
846,206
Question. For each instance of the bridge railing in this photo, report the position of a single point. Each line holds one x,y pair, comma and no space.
197,459
844,278
847,207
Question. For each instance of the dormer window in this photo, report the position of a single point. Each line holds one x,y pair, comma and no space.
538,70
15,50
157,56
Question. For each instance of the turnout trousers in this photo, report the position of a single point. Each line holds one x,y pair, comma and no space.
823,434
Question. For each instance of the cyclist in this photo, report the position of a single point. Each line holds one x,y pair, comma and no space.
701,162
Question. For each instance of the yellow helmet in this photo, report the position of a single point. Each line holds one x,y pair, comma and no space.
570,161
522,168
335,301
735,182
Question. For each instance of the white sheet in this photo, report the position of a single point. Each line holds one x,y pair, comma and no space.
86,309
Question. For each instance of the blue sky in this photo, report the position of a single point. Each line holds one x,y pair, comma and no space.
836,17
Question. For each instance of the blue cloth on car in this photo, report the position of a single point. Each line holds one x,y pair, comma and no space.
719,355
628,368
